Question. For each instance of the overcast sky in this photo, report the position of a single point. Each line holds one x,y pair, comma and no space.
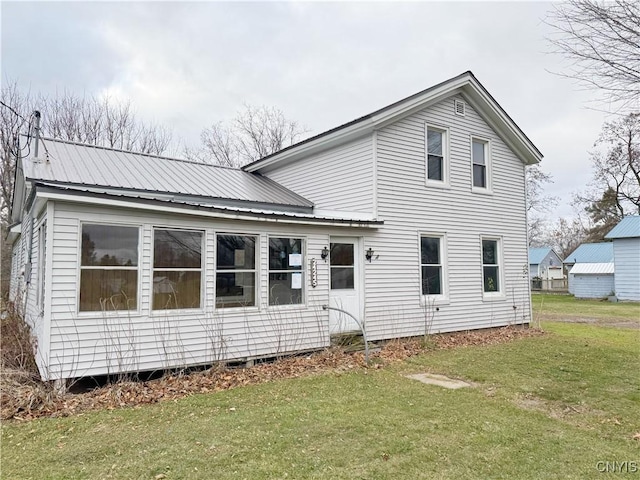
188,65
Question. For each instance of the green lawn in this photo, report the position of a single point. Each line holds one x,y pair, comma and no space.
542,407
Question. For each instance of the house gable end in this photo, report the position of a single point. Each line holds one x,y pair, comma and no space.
466,85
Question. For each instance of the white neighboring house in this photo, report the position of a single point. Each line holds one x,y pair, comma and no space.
545,263
411,218
626,257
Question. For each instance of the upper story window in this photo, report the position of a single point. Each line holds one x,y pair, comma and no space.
432,264
177,269
286,279
437,153
480,162
108,268
491,266
236,270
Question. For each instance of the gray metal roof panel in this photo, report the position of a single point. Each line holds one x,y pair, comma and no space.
79,164
591,253
629,227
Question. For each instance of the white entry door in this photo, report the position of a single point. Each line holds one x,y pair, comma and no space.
345,282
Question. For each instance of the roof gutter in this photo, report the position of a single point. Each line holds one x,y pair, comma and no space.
159,206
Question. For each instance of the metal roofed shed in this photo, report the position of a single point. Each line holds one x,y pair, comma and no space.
592,280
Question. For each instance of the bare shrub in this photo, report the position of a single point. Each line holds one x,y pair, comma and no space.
16,341
21,389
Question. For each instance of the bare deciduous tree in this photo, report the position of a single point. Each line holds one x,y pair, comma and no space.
565,235
615,188
66,116
255,133
602,42
539,204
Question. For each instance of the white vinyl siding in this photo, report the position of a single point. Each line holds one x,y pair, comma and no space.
592,286
339,179
408,207
92,344
626,252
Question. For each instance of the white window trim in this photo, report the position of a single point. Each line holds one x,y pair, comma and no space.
443,298
203,246
444,183
488,190
305,283
500,294
92,313
257,270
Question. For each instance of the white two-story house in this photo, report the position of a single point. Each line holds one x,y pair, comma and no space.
408,221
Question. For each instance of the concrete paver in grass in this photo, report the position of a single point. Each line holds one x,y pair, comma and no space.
439,380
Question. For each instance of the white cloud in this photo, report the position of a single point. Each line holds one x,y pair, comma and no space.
187,65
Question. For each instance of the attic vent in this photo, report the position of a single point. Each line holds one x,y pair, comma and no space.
459,107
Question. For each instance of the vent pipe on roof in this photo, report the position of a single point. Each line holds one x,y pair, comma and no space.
36,128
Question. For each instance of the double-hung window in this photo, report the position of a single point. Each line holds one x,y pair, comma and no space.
436,149
236,270
491,274
286,276
108,268
480,163
431,265
177,269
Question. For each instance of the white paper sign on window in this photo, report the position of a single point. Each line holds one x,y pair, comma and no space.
295,259
296,281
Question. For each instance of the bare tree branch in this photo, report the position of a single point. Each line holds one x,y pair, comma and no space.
601,41
255,133
66,116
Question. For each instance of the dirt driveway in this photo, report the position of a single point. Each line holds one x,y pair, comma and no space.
605,322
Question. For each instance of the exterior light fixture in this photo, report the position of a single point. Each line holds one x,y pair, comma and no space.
325,253
369,254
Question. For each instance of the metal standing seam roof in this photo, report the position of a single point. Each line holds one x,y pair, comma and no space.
353,218
591,253
629,227
593,269
69,163
537,254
